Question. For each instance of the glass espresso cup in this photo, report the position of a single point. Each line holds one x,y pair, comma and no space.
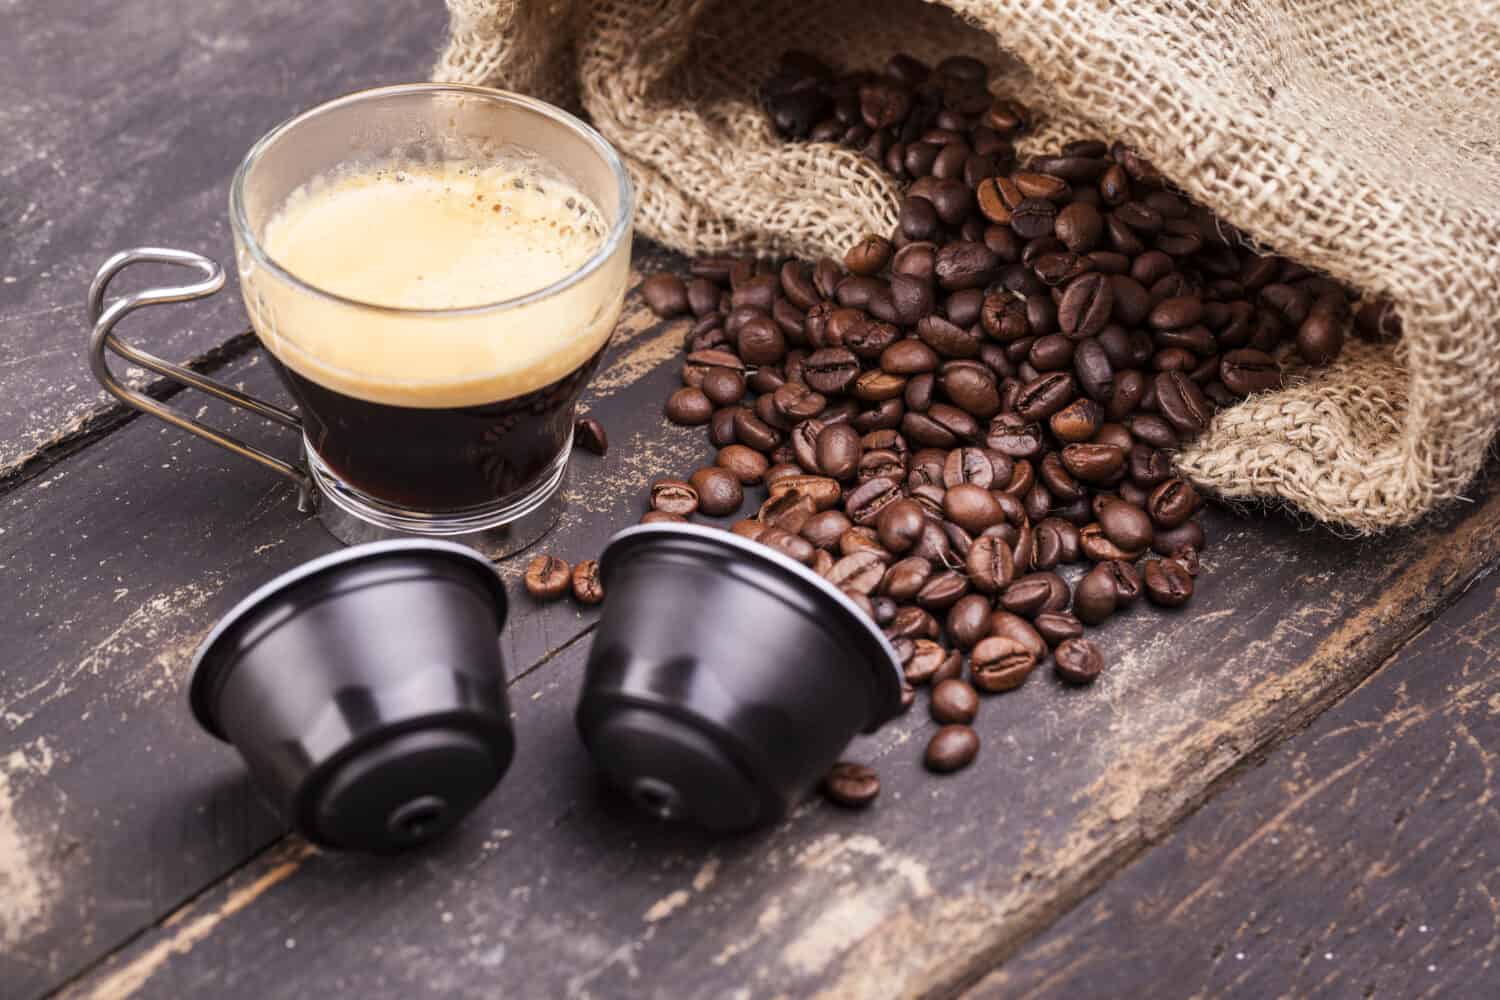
435,271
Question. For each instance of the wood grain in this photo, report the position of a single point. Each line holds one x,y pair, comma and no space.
1359,861
114,808
555,889
123,123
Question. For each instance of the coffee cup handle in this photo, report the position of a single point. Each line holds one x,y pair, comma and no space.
103,338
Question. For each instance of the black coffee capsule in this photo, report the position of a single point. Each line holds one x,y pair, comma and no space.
725,678
365,691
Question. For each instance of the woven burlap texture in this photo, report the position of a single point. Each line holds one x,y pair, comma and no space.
1358,137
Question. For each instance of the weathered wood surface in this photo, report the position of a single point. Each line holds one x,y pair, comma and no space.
114,808
122,124
1362,859
553,889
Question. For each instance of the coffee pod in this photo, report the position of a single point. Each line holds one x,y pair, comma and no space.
365,691
725,678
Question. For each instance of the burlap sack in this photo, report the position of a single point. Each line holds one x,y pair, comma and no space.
1359,137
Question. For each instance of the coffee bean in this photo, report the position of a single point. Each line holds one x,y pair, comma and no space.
719,491
792,546
1086,305
1034,593
673,496
1189,534
908,357
1246,371
748,465
964,264
1173,502
1180,400
1080,227
839,451
1097,546
990,564
869,255
968,620
926,658
1125,524
1168,584
1127,581
972,507
1094,463
968,465
942,591
590,435
547,578
954,701
850,784
823,529
952,748
830,370
823,491
865,502
912,622
587,588
1033,218
1095,598
906,578
665,295
1058,626
1000,663
900,525
1078,661
1077,422
689,406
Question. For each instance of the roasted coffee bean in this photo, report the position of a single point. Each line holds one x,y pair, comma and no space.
1033,218
942,591
1246,371
755,432
830,370
969,620
918,396
865,502
1187,558
1177,313
1086,306
838,451
590,435
878,463
723,386
1097,546
990,564
862,539
719,491
790,545
972,507
1320,338
850,784
797,402
900,524
822,490
1007,625
673,496
689,406
926,659
748,465
1058,480
1058,626
665,295
999,663
1078,661
952,748
1180,400
906,578
1148,467
548,578
1043,397
1189,534
825,528
869,255
912,622
587,587
968,465
1173,502
1095,599
1095,372
1077,422
1094,463
1050,353
1035,593
1055,267
745,527
954,701
1127,581
1168,584
1080,227
1125,524
930,497
908,357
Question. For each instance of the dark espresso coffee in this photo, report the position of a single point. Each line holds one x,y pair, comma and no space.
446,459
434,358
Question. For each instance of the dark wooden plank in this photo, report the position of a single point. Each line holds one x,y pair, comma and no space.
1360,860
554,889
123,123
113,807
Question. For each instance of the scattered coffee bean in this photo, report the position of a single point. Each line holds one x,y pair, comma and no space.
1168,583
954,700
665,295
850,784
1078,661
748,465
587,588
590,435
547,578
719,491
689,406
673,496
951,748
1000,663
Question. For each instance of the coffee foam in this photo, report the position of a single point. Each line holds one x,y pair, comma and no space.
449,236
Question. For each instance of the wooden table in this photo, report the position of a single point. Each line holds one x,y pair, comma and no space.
1284,789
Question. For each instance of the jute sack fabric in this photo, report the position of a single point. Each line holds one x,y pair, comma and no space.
1358,137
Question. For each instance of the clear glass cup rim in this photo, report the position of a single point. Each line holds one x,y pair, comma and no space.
617,232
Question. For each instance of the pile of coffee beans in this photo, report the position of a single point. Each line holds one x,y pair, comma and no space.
958,410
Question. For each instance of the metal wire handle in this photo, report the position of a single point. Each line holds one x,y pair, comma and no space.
103,336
